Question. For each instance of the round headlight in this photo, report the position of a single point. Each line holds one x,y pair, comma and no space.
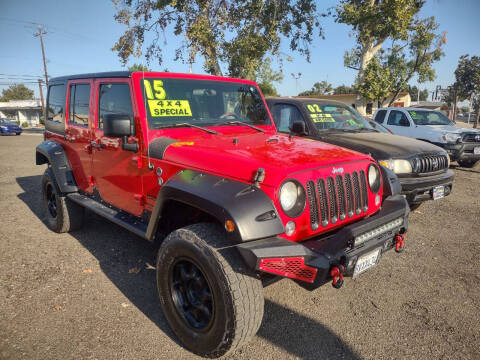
292,198
373,178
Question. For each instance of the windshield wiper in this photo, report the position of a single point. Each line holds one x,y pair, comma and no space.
189,125
237,122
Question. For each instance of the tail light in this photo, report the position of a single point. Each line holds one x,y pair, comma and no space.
291,267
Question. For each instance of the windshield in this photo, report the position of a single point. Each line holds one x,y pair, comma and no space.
171,101
6,122
336,116
420,117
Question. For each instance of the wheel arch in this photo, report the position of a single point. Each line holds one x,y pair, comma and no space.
52,153
251,210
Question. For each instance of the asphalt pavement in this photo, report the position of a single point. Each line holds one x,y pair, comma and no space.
91,294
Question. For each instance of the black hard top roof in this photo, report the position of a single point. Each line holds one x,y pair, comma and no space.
107,74
302,100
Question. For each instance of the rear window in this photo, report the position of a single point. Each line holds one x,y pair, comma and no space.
56,103
170,101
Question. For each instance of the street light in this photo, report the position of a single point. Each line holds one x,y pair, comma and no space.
296,77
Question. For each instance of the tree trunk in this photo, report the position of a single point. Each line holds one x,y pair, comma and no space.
394,97
477,119
368,52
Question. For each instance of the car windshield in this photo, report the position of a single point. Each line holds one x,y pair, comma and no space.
335,117
420,117
170,102
6,122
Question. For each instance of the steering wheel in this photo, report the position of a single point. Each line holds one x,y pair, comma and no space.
230,115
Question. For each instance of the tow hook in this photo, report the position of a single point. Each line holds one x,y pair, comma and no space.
337,275
399,243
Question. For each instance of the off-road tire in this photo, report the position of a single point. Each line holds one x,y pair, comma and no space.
237,293
69,215
466,163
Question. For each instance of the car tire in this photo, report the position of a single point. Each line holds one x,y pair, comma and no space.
466,163
17,133
62,215
212,302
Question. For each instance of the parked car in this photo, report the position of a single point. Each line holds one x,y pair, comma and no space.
195,163
8,127
462,144
422,168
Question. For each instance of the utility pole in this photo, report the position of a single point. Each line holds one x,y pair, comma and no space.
44,109
39,34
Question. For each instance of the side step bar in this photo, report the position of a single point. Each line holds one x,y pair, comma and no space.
118,217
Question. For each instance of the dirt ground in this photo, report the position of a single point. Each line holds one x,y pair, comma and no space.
91,294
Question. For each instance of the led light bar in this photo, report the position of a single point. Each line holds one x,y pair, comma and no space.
359,240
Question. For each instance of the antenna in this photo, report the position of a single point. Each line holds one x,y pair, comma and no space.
150,166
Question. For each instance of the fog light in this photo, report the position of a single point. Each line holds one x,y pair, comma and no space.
377,200
290,228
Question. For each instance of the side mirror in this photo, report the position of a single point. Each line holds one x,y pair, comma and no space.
298,127
119,125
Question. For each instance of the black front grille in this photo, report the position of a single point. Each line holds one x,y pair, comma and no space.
471,137
336,198
431,163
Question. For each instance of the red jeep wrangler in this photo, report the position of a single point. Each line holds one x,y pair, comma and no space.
195,163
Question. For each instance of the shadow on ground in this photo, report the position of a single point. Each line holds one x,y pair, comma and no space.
118,251
470,170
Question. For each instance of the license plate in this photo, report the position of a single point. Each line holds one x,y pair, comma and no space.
476,150
438,192
366,261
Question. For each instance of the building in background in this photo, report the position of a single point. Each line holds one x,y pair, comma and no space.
368,108
22,111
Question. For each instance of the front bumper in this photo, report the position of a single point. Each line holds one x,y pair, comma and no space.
10,131
328,251
420,188
462,151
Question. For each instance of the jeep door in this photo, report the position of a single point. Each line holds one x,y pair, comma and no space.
78,131
399,123
115,171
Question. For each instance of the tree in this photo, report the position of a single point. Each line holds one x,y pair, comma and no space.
343,89
319,88
373,22
415,56
228,34
138,67
265,76
414,93
467,82
17,92
377,82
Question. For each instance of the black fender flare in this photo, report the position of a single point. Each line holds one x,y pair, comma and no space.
391,183
251,210
52,153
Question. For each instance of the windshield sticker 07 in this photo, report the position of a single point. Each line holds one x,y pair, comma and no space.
159,106
317,115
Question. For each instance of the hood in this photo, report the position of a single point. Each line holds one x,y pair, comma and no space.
239,155
10,125
381,145
452,128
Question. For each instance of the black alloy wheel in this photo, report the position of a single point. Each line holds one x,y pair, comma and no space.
191,294
51,200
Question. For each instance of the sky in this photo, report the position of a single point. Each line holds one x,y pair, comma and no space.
80,35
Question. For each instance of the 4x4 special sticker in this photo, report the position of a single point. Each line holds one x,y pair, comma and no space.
159,106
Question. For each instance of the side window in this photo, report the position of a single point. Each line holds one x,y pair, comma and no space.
380,116
79,104
55,103
397,118
285,115
114,98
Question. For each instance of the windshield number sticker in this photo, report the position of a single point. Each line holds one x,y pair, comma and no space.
317,115
159,108
158,92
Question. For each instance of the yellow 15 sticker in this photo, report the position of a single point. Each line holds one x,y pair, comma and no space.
158,92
